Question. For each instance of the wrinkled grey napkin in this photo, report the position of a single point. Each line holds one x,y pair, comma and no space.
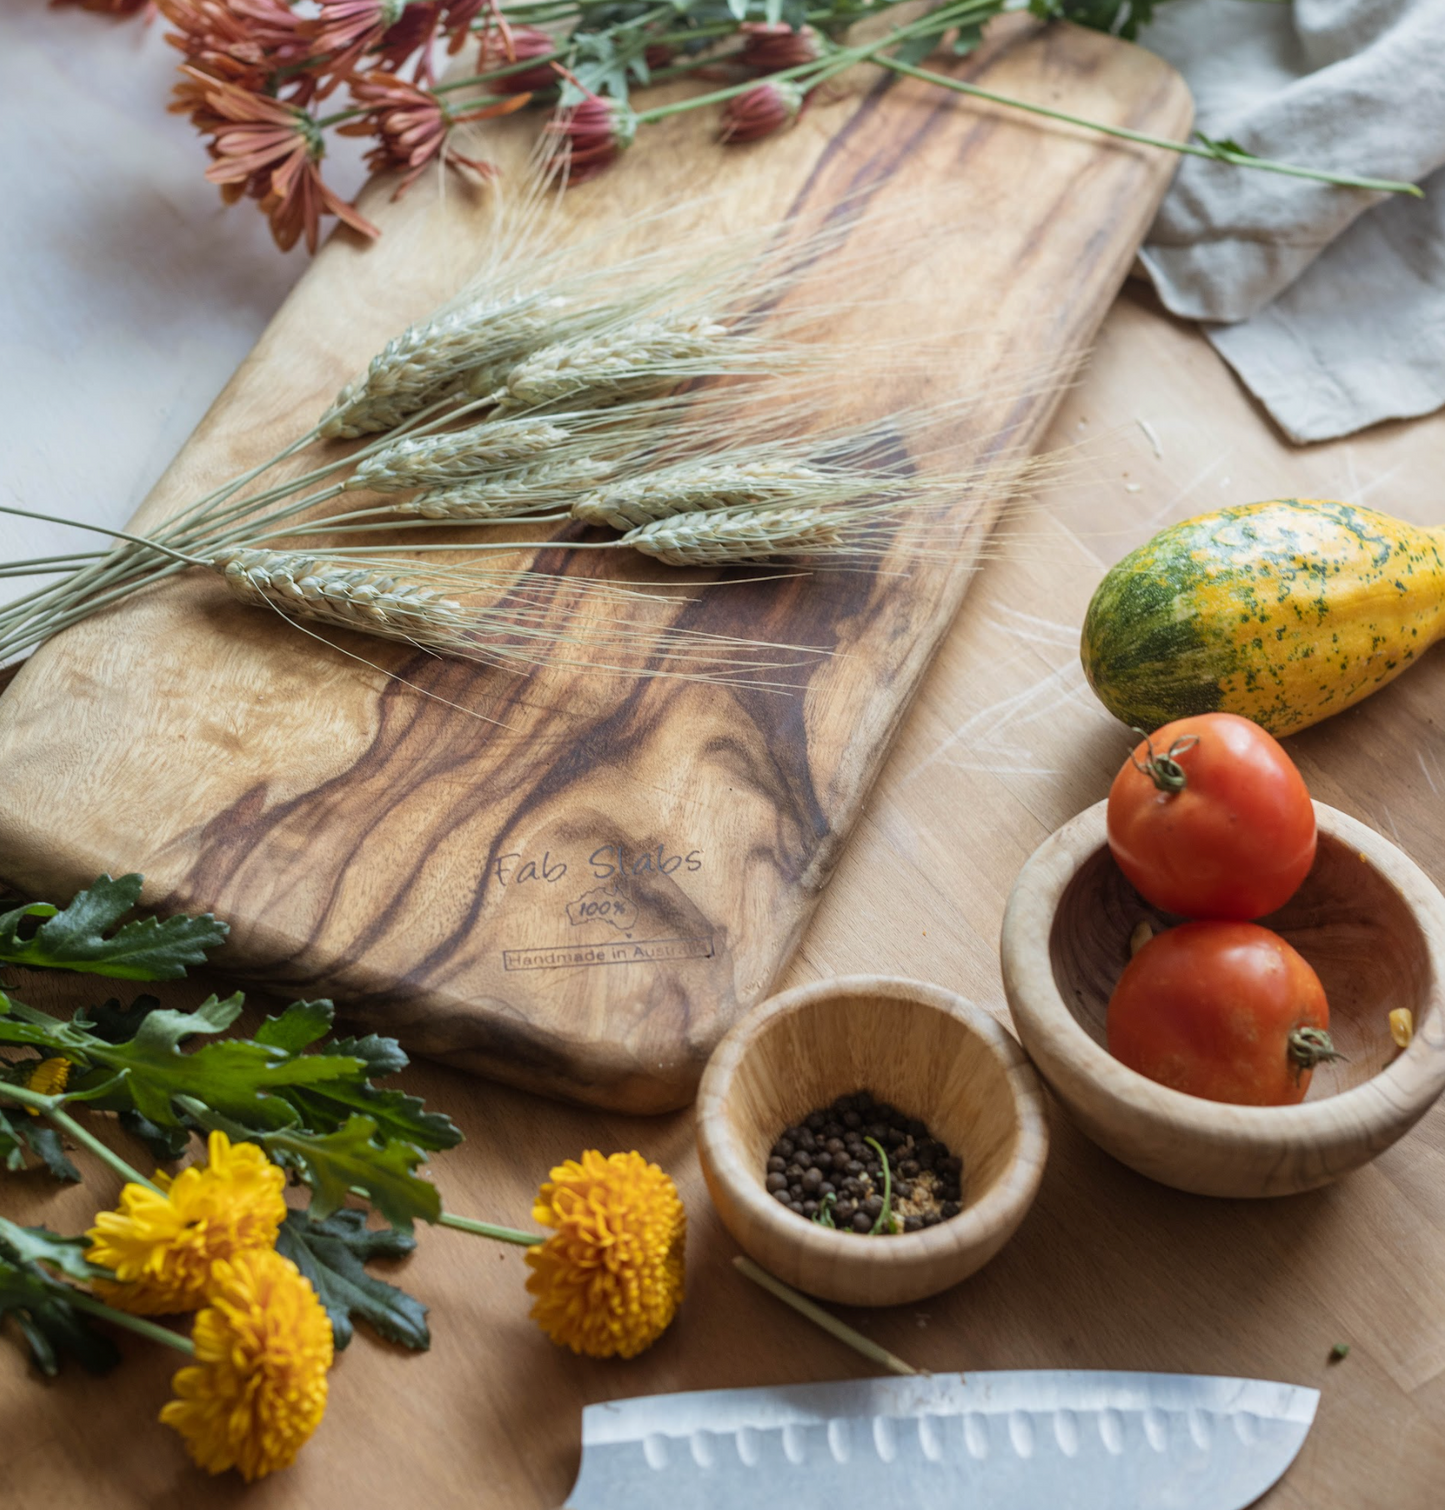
1329,303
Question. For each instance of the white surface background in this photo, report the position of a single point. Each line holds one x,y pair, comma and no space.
131,293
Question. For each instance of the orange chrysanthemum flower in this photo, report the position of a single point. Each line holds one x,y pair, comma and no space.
257,1389
161,1245
414,127
609,1280
272,151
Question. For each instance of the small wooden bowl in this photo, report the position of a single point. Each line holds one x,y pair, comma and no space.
929,1052
1367,919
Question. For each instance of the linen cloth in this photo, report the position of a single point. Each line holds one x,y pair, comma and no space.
1328,303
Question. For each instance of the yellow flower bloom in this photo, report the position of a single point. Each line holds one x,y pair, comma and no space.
609,1280
257,1389
161,1247
48,1077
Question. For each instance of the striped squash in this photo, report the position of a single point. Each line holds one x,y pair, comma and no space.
1285,612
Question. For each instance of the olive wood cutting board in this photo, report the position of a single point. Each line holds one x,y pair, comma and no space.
578,891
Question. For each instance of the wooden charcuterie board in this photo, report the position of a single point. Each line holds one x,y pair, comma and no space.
579,895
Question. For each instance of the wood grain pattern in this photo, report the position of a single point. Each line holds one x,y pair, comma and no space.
374,845
916,1046
1109,1269
1368,920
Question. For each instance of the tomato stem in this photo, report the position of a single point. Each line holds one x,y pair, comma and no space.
1309,1047
1164,770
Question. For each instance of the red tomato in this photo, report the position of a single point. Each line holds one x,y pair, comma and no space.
1227,1011
1216,822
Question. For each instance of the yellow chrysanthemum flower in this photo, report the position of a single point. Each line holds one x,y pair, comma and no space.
162,1246
48,1077
609,1279
257,1389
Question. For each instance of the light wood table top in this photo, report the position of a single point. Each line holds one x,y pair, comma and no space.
1108,1271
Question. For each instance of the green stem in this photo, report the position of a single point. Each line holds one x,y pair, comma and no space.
825,1319
1188,149
487,1229
137,1324
99,529
50,1107
884,1223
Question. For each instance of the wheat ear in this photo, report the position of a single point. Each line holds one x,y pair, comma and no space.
694,487
752,535
645,357
364,598
502,495
435,461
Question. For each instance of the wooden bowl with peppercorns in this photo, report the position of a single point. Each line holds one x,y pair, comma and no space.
837,1110
1366,919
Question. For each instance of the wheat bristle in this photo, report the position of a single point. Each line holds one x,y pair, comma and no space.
695,487
752,535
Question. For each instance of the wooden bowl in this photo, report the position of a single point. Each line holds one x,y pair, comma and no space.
1367,919
929,1052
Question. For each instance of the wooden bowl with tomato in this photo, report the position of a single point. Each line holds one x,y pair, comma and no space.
1364,923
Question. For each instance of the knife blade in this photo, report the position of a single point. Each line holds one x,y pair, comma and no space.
1017,1440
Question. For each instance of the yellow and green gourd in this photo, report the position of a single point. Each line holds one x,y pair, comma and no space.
1285,612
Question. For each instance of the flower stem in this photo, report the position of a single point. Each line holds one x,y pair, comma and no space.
137,1324
825,1319
487,1229
50,1106
1218,152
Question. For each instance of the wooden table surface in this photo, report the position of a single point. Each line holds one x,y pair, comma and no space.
1108,1271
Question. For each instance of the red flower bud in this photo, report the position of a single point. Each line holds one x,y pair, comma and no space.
517,45
588,137
771,48
761,110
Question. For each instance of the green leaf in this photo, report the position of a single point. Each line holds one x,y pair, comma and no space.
38,1302
381,1056
164,1030
39,1245
166,1144
115,1023
332,1255
1225,148
300,1025
78,939
52,1327
333,1162
44,1142
397,1115
915,49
